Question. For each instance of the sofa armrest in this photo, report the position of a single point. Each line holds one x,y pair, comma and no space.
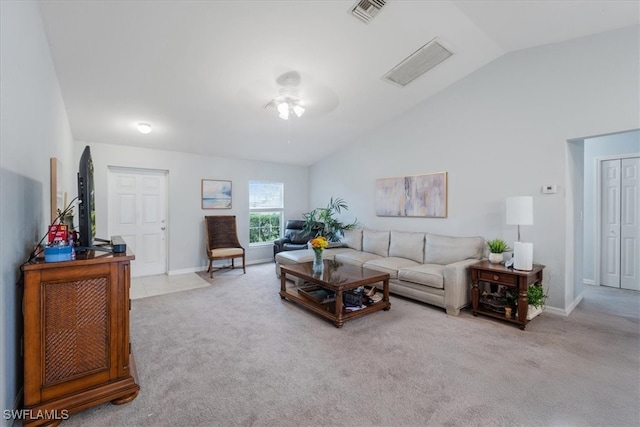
457,285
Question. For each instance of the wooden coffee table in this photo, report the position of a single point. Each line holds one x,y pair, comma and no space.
337,277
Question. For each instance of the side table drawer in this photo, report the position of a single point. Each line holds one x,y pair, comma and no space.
505,279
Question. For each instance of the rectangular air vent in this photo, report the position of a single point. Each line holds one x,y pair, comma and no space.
366,10
418,63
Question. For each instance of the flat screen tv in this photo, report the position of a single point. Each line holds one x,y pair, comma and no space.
86,201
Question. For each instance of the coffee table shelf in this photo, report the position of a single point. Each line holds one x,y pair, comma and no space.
338,278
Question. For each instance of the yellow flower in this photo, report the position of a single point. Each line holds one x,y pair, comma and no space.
319,243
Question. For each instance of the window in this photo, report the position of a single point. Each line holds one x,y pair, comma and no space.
266,206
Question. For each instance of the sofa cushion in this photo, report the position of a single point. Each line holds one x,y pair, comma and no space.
407,245
353,238
424,274
389,265
355,257
446,249
375,242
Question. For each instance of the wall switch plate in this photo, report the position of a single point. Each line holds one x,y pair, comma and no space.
549,189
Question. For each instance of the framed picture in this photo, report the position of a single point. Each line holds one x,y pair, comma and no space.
413,196
216,194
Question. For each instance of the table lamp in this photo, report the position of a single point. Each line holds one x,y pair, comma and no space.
520,212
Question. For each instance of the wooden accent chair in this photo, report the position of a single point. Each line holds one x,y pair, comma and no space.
222,240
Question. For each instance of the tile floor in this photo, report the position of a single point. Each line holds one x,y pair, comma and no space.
148,286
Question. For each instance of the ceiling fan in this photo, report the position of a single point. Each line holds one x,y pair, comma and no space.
288,102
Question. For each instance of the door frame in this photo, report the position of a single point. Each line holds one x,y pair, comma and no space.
597,236
165,174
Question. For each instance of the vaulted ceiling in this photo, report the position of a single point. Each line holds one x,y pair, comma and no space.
201,72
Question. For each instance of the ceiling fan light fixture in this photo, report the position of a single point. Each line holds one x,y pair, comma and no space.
283,110
299,110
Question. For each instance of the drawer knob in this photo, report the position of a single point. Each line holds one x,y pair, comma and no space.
496,277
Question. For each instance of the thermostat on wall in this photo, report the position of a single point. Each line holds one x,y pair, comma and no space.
549,189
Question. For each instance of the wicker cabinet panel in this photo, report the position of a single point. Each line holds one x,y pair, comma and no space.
75,320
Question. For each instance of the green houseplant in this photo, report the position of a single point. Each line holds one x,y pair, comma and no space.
496,248
322,221
536,296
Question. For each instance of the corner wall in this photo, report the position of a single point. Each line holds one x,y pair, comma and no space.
502,131
33,128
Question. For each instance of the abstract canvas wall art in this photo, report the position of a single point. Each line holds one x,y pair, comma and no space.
412,196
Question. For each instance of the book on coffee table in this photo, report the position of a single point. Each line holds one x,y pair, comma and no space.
318,294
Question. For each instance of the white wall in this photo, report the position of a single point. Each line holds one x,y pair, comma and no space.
500,132
610,145
186,218
33,128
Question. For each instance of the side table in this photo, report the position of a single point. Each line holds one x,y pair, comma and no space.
498,274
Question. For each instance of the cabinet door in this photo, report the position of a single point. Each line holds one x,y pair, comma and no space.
70,324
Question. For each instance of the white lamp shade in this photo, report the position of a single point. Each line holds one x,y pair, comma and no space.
523,256
520,210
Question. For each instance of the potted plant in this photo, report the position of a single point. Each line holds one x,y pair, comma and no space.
536,298
496,248
322,221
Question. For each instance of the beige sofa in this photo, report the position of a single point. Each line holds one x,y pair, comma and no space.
426,267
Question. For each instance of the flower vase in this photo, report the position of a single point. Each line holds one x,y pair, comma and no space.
318,265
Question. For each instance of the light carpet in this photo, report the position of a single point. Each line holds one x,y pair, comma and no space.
235,354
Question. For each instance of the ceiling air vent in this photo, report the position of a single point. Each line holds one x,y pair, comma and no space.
366,10
418,63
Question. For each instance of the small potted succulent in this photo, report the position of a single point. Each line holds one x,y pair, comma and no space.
496,248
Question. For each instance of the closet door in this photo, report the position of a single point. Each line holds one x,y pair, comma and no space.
629,228
610,236
620,238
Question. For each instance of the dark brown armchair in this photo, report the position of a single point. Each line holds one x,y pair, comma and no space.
222,240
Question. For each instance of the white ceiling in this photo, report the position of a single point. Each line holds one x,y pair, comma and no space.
201,72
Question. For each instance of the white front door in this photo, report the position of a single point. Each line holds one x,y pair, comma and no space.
620,215
138,213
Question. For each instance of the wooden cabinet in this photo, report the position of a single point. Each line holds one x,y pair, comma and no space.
498,275
77,352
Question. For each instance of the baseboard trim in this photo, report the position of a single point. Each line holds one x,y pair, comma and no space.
567,311
589,282
204,268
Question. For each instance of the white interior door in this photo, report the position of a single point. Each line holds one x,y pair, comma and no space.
620,234
610,236
629,228
138,213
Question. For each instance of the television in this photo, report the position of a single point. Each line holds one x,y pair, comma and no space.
86,202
